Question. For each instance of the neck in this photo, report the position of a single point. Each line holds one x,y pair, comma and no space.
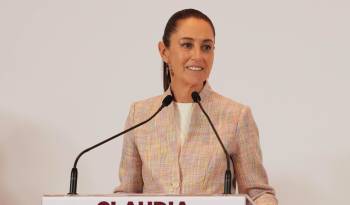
182,92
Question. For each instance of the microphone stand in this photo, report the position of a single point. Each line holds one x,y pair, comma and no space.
228,175
74,172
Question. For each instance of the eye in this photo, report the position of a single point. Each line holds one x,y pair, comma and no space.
187,45
207,48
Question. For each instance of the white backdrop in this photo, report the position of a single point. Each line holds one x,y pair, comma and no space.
70,69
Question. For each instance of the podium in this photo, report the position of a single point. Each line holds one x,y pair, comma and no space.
142,199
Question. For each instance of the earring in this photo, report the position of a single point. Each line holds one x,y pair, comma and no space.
167,71
171,71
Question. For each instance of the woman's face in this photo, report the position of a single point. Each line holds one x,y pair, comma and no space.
190,54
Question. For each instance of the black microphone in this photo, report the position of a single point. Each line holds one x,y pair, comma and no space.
74,173
228,176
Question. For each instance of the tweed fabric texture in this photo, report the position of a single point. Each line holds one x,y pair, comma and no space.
153,160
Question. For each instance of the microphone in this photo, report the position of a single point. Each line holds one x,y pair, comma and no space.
228,176
74,173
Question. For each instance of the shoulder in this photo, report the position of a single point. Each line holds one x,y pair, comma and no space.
226,103
228,108
151,101
145,107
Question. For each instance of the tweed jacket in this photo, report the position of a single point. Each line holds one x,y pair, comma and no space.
154,162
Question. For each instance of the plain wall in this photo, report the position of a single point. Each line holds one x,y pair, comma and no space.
70,69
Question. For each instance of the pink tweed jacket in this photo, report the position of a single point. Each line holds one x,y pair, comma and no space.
154,162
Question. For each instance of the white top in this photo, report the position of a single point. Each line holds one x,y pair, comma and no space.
185,113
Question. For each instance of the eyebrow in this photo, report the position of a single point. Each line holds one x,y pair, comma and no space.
191,39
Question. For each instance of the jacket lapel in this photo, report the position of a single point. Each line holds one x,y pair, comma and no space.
167,129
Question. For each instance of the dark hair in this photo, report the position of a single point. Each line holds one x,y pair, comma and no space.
171,27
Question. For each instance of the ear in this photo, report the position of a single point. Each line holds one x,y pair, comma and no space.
163,51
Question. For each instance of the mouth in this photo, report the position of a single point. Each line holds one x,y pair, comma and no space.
195,68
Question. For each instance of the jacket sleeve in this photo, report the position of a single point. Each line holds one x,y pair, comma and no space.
130,170
251,175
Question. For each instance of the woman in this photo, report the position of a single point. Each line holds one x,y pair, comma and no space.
177,152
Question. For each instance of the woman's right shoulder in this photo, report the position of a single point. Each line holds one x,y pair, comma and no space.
151,101
146,107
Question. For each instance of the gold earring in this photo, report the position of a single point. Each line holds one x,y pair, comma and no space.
171,71
167,71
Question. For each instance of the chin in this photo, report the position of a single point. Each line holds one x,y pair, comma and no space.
196,82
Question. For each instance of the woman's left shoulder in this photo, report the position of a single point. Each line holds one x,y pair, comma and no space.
226,102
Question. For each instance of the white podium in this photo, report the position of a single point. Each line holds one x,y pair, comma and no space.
139,199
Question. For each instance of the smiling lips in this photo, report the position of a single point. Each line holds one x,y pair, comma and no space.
195,68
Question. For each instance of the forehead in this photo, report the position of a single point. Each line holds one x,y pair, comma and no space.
195,28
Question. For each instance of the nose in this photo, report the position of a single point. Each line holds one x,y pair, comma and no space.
197,53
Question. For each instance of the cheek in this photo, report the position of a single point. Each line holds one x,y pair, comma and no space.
209,62
182,57
210,59
179,59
